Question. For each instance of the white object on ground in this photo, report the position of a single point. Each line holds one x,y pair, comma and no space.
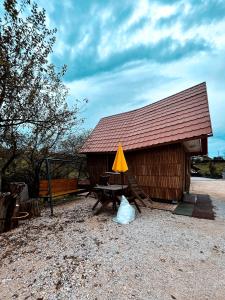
125,213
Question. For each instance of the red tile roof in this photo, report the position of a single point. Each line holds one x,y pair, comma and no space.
182,116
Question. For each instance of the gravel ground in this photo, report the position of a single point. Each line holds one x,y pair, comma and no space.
76,255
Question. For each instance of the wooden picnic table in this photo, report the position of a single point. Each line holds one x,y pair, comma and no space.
108,194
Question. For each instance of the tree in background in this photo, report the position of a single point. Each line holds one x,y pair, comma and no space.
218,158
45,144
34,115
73,142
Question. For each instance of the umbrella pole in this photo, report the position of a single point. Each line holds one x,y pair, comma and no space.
122,180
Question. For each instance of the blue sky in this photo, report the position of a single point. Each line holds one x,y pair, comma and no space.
125,54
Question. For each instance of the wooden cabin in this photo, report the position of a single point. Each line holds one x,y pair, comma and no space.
158,141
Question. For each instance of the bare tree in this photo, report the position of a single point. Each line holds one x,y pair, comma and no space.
34,114
73,143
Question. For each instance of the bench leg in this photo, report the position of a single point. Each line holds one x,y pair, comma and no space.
137,206
104,205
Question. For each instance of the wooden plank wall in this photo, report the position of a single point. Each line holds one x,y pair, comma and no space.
97,166
160,171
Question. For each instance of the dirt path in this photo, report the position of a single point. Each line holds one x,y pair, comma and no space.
215,188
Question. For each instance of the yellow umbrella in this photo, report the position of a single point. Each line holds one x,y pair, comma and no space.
120,164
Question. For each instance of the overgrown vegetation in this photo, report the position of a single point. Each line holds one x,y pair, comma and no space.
211,169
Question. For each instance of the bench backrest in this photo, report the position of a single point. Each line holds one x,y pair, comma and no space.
57,186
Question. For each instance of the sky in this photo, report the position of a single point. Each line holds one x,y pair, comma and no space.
125,54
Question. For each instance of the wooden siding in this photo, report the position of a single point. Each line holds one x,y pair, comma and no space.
97,165
162,172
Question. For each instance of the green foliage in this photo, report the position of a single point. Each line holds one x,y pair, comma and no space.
216,169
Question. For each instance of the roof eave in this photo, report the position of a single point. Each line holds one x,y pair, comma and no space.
151,146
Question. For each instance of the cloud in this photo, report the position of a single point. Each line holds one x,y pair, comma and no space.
166,50
96,38
117,91
101,36
125,54
204,12
192,14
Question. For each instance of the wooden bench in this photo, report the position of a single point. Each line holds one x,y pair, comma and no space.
59,187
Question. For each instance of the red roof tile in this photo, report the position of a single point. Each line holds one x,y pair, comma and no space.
182,116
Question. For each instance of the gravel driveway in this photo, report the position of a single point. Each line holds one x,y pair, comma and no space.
215,188
76,255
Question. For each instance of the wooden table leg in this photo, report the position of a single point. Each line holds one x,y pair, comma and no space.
99,199
96,203
114,201
104,205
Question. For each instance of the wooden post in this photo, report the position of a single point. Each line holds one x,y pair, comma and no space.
31,206
0,181
49,185
2,212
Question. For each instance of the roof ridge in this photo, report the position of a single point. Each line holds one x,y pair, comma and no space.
166,106
157,101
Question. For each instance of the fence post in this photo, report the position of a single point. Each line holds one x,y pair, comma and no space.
49,185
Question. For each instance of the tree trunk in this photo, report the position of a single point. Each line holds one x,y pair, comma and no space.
0,181
7,209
